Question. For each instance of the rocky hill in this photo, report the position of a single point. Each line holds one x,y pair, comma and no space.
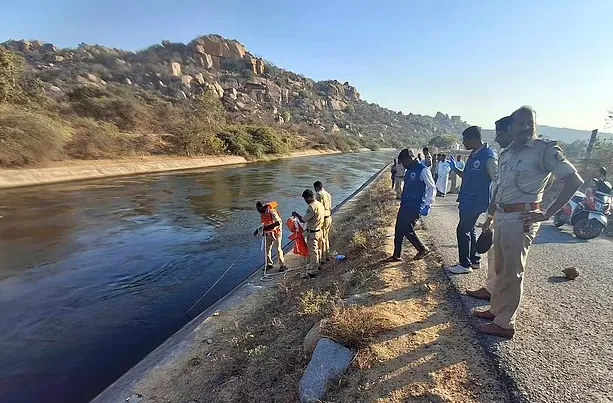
250,88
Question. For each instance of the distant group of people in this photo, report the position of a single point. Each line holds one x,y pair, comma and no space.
440,169
509,188
316,223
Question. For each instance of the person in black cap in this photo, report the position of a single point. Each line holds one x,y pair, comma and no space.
417,197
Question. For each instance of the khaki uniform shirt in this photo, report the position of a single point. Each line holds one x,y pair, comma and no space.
525,170
326,199
314,217
400,170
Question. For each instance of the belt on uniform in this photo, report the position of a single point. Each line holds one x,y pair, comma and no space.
312,231
519,207
398,176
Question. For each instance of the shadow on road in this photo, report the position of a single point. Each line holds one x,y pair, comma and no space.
551,234
558,279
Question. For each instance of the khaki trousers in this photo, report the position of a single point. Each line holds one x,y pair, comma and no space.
398,187
273,240
324,244
313,239
490,280
511,246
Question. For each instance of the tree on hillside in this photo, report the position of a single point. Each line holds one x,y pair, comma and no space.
15,85
574,149
443,141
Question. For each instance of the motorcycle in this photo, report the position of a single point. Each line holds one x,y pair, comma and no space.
587,212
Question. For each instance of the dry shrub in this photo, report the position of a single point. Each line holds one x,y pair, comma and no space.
93,140
355,326
29,137
317,303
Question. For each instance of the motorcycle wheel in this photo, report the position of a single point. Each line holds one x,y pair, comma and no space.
557,220
585,228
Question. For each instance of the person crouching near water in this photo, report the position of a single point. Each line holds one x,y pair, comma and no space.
417,197
272,231
314,219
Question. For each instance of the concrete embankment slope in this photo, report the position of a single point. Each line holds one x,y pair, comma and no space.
198,330
562,350
81,170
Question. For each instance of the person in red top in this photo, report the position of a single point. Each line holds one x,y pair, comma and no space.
272,230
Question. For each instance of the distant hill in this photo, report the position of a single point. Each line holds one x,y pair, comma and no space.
555,133
90,80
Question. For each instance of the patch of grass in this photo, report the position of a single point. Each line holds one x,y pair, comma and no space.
316,303
356,326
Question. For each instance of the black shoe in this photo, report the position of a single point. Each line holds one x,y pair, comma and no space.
282,268
422,254
269,267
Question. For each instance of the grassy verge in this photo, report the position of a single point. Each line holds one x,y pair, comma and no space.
411,345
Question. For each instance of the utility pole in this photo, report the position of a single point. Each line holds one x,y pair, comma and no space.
590,148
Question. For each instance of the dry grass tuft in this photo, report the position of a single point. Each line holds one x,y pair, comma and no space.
356,326
317,303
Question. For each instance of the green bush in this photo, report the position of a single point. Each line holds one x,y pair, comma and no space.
272,141
29,138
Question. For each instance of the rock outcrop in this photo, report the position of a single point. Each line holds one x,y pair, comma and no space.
243,81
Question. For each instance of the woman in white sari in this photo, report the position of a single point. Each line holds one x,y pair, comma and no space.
443,170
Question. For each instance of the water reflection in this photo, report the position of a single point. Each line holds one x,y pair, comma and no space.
103,271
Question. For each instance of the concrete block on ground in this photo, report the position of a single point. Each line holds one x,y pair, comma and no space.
330,360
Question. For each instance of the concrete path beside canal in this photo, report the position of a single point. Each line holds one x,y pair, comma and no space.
563,348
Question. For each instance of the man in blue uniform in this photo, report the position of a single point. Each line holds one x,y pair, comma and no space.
477,176
417,197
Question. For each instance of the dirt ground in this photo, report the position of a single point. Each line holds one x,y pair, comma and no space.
422,349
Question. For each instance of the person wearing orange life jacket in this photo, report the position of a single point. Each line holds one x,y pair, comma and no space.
272,231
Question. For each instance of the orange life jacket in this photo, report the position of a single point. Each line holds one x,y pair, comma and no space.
300,245
268,217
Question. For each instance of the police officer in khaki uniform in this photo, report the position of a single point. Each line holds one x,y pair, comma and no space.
314,219
525,168
324,198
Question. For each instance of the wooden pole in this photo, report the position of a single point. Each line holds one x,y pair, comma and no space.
590,148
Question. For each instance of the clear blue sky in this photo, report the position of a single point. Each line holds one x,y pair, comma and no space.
477,59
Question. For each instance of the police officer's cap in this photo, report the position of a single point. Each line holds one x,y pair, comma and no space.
485,241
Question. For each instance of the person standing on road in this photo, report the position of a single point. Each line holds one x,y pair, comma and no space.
393,171
503,138
479,171
417,197
454,187
399,178
434,167
314,219
442,181
324,198
525,168
427,157
272,231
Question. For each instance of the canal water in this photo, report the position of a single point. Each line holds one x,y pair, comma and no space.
94,275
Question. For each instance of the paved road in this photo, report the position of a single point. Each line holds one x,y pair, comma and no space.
563,348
